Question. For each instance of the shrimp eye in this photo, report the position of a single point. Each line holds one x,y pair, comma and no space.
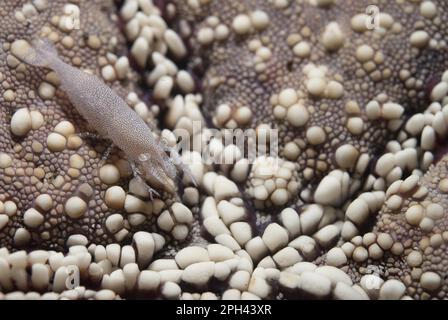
143,157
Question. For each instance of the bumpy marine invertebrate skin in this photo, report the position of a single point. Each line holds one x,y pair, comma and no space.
412,236
310,71
265,67
337,92
111,117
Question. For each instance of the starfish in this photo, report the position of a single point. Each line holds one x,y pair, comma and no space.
348,205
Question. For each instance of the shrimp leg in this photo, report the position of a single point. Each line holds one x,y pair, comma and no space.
137,175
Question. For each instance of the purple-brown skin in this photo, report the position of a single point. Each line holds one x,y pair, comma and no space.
112,118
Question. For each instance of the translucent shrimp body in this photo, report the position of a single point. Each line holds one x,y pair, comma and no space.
109,114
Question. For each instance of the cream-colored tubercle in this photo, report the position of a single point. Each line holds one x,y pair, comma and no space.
109,114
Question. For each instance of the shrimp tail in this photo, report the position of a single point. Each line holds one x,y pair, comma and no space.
41,54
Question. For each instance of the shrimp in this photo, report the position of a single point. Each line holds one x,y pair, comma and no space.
113,119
